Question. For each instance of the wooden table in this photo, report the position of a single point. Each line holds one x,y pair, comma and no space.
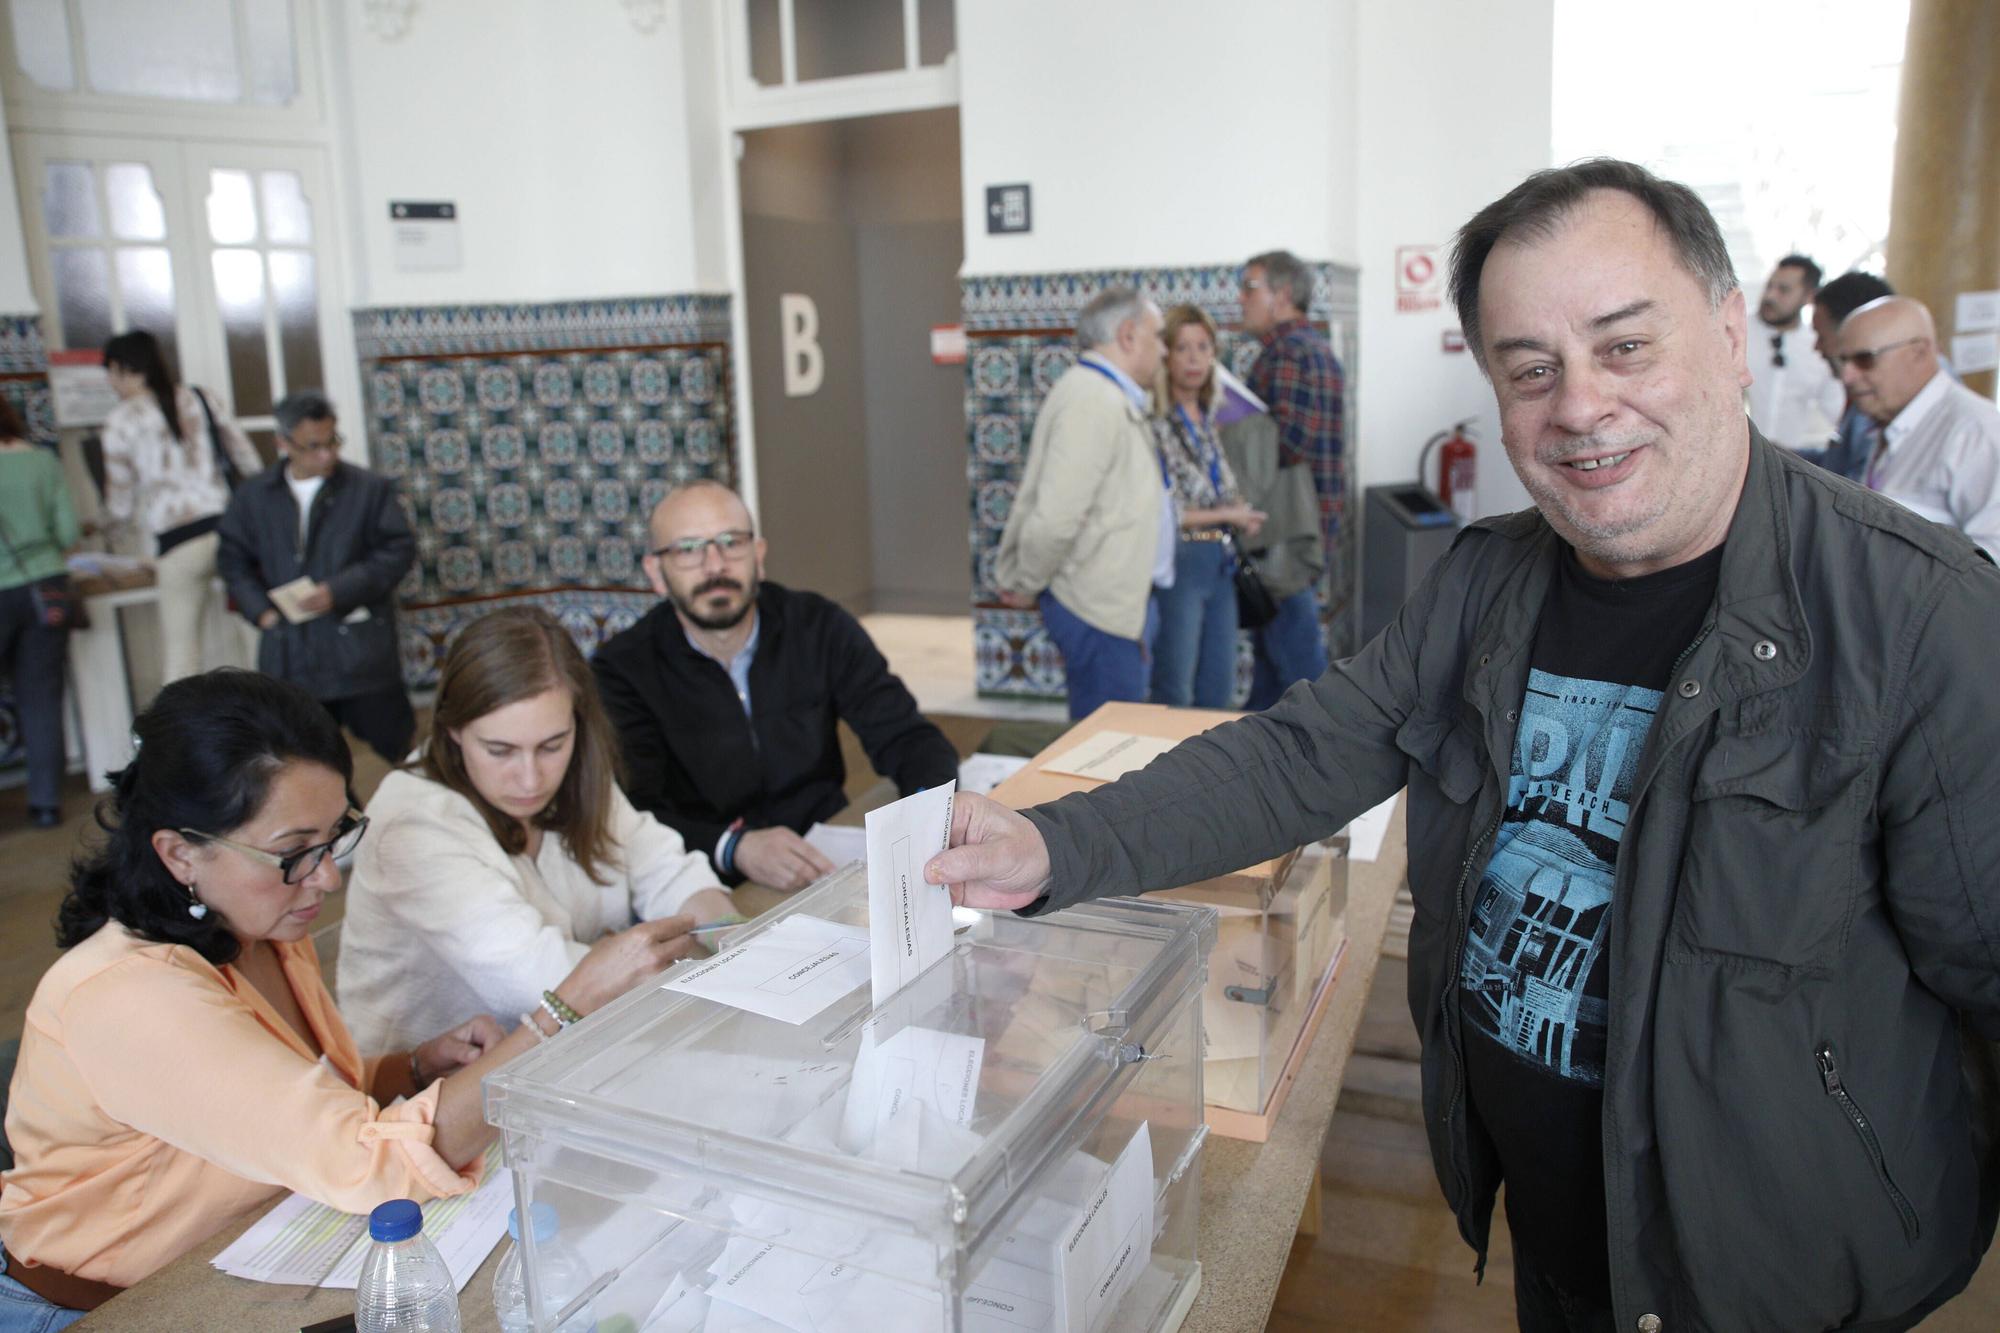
1252,1194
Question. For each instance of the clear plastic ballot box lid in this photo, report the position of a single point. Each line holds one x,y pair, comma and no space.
1009,1143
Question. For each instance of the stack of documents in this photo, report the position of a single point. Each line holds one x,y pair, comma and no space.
307,1244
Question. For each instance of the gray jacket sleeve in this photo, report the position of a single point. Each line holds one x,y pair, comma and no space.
1250,789
389,548
1940,789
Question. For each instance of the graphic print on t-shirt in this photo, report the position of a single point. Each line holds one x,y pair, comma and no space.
1533,975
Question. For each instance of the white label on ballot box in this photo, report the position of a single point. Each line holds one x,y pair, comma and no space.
909,919
789,972
1108,755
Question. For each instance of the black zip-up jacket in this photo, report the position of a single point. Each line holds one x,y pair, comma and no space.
358,544
695,760
1804,938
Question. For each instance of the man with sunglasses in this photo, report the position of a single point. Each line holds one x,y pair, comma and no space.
1793,398
1936,445
727,698
312,550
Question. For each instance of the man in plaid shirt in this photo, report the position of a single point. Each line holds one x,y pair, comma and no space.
1298,378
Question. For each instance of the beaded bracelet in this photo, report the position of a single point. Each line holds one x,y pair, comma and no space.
528,1022
559,1009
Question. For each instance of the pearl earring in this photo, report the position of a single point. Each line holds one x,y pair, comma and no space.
196,907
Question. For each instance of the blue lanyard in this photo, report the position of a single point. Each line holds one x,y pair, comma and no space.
1165,480
1203,451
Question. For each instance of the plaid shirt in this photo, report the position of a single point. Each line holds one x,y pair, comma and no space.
1298,377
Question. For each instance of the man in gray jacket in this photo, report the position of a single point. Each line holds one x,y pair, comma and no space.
1701,776
312,550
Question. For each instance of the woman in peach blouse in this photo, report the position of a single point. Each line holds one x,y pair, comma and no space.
183,1064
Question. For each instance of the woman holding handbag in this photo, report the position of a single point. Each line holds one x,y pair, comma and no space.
170,462
37,525
1194,654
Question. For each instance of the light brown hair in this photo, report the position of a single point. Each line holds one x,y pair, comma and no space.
1211,389
503,658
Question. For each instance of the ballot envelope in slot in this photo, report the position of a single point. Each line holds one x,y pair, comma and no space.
1011,1143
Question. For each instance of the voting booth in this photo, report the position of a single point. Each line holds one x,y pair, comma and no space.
1008,1143
1282,922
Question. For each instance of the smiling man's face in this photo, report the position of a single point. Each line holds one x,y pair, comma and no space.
1620,390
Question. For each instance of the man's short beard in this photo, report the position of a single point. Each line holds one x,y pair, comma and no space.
729,620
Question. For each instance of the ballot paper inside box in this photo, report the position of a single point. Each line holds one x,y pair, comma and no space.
1010,1143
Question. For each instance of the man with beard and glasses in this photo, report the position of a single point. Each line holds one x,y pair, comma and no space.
1793,398
726,699
1700,766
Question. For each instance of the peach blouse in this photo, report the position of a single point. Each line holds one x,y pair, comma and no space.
159,1099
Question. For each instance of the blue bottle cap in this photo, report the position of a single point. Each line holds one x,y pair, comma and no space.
398,1219
545,1222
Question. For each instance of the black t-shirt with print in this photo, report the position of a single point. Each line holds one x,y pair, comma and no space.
1533,982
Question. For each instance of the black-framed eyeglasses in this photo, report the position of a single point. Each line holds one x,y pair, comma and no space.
1865,358
297,867
1778,350
690,552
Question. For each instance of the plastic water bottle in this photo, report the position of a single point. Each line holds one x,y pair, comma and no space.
405,1286
562,1275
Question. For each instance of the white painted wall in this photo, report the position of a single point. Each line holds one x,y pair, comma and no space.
561,132
1454,109
1158,132
17,291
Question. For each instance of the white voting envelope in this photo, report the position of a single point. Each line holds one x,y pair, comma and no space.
909,920
789,972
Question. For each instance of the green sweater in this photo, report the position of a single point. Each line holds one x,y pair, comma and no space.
36,516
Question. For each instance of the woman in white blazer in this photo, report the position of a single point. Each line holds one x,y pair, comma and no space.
504,871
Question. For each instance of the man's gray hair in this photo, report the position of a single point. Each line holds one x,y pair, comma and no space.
1537,206
301,406
1106,314
1287,273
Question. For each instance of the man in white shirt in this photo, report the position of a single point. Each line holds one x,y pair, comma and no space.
1938,443
1794,399
1093,529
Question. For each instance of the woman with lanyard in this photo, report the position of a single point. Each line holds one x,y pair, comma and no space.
1194,655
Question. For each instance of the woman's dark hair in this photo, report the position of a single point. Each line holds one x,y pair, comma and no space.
500,659
11,425
206,752
139,352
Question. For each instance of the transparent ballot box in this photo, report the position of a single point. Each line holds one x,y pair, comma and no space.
1010,1143
1277,939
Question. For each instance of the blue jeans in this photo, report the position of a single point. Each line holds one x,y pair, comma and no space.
1097,667
22,1311
1194,656
1289,649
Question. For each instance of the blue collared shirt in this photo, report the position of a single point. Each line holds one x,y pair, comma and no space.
738,666
1140,398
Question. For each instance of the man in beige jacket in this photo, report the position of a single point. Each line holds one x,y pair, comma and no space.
1093,527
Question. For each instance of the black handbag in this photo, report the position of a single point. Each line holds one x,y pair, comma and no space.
55,603
231,474
1255,607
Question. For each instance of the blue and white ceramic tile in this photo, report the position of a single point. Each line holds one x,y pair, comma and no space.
532,442
642,321
1020,328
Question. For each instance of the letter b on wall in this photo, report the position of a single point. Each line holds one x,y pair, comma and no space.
798,330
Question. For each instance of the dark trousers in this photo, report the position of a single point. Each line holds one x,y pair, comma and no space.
1543,1306
383,718
35,656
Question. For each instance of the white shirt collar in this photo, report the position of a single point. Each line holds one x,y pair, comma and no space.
1917,408
1140,398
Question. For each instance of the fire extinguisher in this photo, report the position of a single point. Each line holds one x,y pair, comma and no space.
1456,469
